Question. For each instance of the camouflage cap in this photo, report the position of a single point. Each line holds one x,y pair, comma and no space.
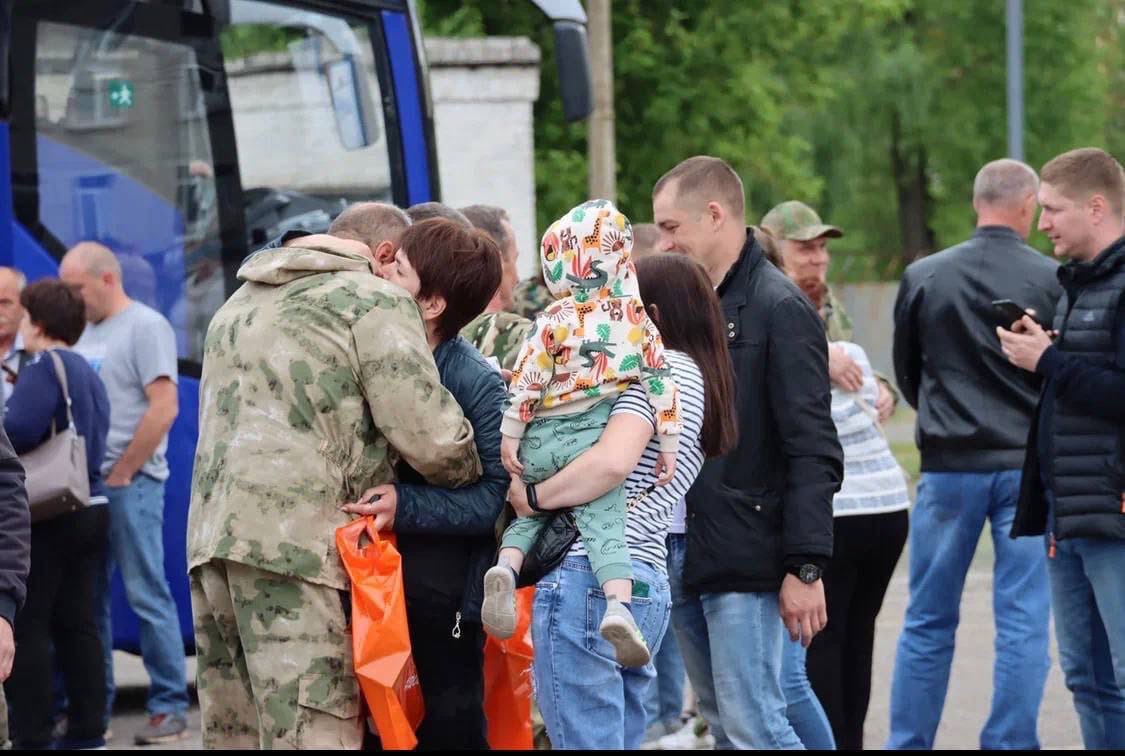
797,221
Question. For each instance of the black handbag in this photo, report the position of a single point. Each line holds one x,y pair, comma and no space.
550,548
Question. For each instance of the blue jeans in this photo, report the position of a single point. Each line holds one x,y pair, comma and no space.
1089,598
136,538
803,708
945,527
666,696
736,675
587,699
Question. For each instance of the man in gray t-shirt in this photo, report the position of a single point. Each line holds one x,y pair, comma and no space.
133,349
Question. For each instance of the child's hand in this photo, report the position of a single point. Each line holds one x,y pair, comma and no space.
665,468
510,455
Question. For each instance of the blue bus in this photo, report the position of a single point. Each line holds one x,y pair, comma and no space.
184,133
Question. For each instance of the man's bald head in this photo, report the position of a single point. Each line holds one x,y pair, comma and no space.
93,272
371,223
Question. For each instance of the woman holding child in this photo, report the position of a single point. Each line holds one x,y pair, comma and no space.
587,697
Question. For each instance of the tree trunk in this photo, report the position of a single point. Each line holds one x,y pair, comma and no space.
909,165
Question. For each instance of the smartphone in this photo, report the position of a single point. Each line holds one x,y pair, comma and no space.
1009,312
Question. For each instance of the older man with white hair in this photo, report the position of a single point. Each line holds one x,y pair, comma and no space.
974,414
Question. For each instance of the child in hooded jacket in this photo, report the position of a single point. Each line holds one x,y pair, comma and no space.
584,350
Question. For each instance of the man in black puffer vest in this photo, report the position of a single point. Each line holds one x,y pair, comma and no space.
1074,476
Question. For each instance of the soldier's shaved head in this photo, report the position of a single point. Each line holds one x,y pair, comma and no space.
371,223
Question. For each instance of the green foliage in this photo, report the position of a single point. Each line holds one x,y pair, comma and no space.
603,331
804,100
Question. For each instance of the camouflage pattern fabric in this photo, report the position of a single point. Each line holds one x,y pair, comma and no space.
836,320
499,335
4,744
530,297
316,378
274,661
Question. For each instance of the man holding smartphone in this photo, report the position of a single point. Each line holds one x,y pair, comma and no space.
974,410
1074,478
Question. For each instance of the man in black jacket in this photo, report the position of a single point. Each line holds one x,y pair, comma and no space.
15,560
759,529
973,414
1074,476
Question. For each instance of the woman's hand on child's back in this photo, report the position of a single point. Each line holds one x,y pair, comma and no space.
510,455
665,468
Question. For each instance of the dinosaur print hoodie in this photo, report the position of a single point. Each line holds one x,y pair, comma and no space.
596,340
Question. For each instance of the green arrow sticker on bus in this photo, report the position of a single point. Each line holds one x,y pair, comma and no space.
120,94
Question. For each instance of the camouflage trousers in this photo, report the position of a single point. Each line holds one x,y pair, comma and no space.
4,744
274,658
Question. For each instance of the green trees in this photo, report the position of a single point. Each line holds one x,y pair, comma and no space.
876,112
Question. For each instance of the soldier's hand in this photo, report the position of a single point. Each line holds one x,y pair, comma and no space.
510,456
380,502
843,370
517,497
7,649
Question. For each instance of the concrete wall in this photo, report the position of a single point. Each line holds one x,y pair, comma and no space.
483,92
871,308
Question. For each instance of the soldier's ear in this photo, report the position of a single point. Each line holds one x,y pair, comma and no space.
384,252
654,314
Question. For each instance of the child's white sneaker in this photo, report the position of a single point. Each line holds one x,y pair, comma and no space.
498,612
619,628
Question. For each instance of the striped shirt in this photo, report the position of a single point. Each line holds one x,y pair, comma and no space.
649,515
873,480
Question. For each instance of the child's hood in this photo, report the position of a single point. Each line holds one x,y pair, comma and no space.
587,251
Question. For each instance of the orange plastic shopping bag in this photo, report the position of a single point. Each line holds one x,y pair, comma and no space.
507,681
380,639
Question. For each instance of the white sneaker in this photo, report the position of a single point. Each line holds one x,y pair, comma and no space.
619,628
498,612
693,736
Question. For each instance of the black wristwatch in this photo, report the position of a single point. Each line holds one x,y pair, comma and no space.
808,573
532,498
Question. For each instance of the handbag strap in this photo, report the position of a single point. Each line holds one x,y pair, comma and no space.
60,372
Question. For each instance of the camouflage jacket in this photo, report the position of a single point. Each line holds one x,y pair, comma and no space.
531,297
499,335
316,378
836,320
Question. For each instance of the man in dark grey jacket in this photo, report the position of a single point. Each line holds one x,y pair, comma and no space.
15,559
974,411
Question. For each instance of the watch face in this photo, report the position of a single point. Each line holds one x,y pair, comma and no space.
809,573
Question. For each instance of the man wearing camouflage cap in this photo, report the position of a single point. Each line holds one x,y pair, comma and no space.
802,239
317,378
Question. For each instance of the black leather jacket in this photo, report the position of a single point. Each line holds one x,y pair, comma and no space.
767,504
974,407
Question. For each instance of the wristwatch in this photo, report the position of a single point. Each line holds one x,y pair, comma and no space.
808,573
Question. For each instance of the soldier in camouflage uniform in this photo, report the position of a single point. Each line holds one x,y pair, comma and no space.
795,223
531,297
317,378
499,335
498,332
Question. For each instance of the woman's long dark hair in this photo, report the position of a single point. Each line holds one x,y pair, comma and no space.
691,321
